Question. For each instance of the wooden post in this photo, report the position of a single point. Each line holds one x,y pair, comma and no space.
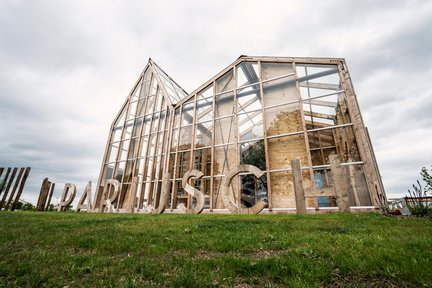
6,192
298,187
45,195
339,183
42,190
12,194
5,179
21,188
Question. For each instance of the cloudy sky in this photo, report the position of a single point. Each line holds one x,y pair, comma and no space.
67,66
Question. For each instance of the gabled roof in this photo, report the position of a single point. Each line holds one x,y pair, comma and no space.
173,90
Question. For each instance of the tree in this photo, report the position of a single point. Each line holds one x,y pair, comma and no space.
427,178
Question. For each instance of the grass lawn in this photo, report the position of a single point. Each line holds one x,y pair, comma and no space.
122,250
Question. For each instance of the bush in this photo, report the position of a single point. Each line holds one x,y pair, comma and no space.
418,203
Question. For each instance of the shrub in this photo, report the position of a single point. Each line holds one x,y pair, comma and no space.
418,202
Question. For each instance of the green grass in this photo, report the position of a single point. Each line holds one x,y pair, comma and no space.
121,250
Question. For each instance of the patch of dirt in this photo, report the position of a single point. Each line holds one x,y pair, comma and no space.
355,280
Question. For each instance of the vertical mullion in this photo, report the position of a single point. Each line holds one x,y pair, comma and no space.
167,166
269,192
143,184
176,168
212,204
149,198
192,154
306,137
128,155
236,134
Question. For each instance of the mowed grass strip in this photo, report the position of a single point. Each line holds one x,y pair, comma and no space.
125,250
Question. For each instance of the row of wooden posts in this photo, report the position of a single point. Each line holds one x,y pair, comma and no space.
11,202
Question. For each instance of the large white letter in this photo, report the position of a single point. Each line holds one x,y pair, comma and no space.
107,199
87,194
63,202
227,199
192,191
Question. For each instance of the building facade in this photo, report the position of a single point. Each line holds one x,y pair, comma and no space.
165,143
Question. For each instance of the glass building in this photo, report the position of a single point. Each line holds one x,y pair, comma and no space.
262,111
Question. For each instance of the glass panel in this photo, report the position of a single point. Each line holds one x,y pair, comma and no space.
144,142
162,121
150,104
172,169
174,139
251,125
153,147
280,91
160,101
149,167
225,159
120,171
249,100
253,153
155,124
323,178
183,162
346,144
283,119
217,200
161,142
321,144
187,113
185,137
284,149
225,130
359,184
225,82
141,106
128,125
225,104
175,92
132,108
137,128
202,161
247,73
319,74
147,124
133,148
129,170
177,118
109,171
117,133
273,70
125,147
203,134
158,168
204,109
113,153
253,189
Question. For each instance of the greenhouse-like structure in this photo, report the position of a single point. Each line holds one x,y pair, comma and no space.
165,143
